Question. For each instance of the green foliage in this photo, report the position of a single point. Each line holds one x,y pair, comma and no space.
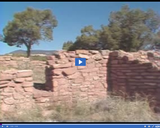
89,39
1,37
28,27
128,30
67,45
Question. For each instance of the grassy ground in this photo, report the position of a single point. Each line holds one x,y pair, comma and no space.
114,109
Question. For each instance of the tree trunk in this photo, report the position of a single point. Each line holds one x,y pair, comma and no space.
28,51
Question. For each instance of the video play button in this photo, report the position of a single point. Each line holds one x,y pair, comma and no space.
80,61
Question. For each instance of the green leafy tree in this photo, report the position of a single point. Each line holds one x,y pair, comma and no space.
28,27
89,39
135,27
67,45
128,30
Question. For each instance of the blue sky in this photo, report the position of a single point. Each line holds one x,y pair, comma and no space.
71,16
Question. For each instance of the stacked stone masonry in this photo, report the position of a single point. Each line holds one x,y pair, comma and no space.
136,73
17,91
9,62
117,71
72,83
123,73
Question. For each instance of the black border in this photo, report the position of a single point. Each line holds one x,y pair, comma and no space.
79,122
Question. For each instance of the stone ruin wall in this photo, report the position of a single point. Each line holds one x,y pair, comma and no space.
20,63
117,71
71,83
17,91
105,71
138,72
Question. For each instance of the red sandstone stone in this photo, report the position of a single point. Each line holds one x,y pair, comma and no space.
150,84
27,84
81,67
9,101
24,73
97,57
92,65
84,56
56,77
28,89
6,94
17,96
153,74
132,74
50,57
8,90
114,62
74,76
19,80
114,54
61,65
42,100
55,83
90,60
18,88
61,55
82,52
3,85
29,79
57,72
62,81
3,82
4,76
69,71
83,89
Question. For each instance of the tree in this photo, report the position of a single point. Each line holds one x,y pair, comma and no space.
136,26
89,39
128,30
1,38
67,45
153,44
28,27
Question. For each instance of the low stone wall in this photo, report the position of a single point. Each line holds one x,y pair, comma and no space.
16,89
71,83
136,73
20,63
117,71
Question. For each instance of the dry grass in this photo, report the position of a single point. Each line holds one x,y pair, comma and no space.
114,109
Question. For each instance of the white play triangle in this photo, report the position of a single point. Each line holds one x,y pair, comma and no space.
80,61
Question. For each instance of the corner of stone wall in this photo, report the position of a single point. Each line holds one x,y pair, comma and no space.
16,89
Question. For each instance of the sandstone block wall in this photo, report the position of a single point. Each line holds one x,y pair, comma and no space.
71,83
13,62
9,62
16,89
117,71
138,72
